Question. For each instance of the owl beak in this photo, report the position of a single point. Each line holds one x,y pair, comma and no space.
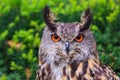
67,45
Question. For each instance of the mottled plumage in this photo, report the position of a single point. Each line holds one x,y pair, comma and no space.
68,51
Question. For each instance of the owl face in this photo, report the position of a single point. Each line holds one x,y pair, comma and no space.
67,42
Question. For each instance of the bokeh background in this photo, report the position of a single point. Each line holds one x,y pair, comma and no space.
21,26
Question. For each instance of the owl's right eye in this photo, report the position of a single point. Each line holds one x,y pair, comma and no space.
55,38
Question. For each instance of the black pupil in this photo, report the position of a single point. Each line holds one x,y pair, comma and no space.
56,37
78,37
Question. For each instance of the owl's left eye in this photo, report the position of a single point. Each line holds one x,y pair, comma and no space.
55,38
79,38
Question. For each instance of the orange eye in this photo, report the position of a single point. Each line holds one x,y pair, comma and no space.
79,38
55,38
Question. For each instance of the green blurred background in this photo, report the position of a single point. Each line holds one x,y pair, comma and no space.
21,26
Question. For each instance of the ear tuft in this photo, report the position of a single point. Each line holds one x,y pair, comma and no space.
86,19
49,18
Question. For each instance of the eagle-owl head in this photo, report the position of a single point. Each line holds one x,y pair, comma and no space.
67,42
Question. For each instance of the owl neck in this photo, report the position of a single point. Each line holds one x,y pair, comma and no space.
75,70
72,69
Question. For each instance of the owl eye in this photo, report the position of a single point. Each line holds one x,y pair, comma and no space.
55,38
79,38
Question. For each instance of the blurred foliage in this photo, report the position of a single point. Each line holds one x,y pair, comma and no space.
21,26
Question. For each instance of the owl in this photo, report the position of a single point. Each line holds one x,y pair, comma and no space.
68,51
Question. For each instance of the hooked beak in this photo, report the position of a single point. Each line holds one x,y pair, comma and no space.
67,46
